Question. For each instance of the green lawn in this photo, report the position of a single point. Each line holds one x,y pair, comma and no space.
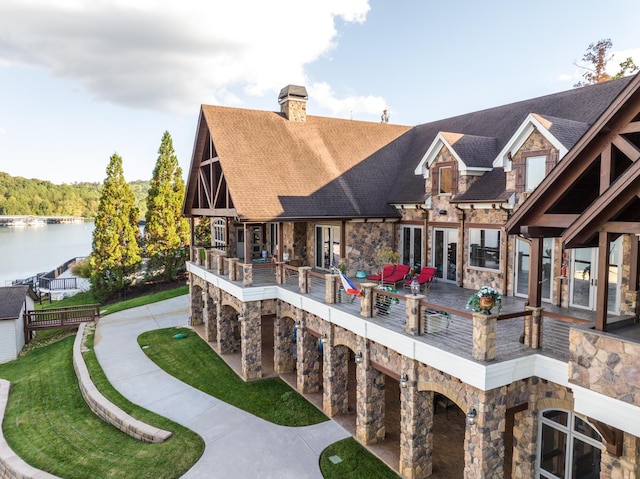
192,361
356,462
48,424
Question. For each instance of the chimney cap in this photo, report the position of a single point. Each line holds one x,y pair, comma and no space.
293,91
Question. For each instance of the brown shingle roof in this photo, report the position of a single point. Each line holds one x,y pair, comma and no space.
322,167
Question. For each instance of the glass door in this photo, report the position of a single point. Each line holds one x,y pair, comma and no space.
411,240
584,262
445,253
327,247
523,254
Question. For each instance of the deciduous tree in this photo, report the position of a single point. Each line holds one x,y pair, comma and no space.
115,254
166,231
597,58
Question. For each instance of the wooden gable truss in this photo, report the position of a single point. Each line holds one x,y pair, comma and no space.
591,197
210,194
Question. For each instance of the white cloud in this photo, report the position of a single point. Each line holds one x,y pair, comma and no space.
3,131
168,55
356,107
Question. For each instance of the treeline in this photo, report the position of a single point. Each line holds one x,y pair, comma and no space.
22,196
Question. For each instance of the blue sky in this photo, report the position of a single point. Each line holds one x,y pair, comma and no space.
82,79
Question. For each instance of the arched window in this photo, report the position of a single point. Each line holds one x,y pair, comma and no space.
568,447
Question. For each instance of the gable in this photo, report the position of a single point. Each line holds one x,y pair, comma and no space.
596,187
473,154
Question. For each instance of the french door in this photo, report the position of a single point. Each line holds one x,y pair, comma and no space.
445,253
523,255
327,246
411,241
585,277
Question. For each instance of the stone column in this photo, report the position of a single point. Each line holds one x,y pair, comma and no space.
247,274
330,288
416,428
283,351
366,303
211,321
280,272
525,434
413,314
484,336
533,328
303,279
220,266
335,397
484,440
309,363
370,398
226,319
233,270
251,341
197,305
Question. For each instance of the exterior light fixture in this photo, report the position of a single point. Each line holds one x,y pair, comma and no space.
471,416
324,338
415,287
297,325
358,357
404,381
442,212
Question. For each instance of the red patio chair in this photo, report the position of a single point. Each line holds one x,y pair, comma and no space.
424,278
387,270
398,275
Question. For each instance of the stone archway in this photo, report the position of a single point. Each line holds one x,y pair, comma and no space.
228,330
197,304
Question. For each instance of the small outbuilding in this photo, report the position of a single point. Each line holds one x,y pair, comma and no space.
14,302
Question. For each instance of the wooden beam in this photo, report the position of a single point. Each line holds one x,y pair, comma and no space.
535,273
623,227
612,436
627,148
605,169
387,371
227,212
555,220
633,127
541,232
602,285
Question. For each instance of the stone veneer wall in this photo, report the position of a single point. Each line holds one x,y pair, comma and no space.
363,241
605,364
105,409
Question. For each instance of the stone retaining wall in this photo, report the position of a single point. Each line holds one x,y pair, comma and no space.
11,466
105,409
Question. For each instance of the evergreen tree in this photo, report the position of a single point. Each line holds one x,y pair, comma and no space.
115,254
166,231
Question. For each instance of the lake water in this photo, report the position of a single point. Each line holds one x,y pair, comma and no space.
24,252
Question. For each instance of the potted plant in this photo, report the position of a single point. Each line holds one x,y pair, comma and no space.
386,256
485,299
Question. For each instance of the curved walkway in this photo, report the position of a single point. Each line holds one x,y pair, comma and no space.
238,444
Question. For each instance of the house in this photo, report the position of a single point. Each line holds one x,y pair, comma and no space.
14,302
532,198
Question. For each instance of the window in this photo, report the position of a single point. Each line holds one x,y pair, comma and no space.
568,447
534,171
273,239
484,248
445,180
219,234
327,247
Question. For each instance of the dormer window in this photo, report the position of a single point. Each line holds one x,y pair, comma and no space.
445,177
534,171
531,167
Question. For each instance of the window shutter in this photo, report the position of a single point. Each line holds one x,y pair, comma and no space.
518,167
552,160
454,180
435,177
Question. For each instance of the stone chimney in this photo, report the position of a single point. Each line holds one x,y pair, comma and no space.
293,102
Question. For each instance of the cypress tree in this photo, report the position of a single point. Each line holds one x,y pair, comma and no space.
166,231
115,254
